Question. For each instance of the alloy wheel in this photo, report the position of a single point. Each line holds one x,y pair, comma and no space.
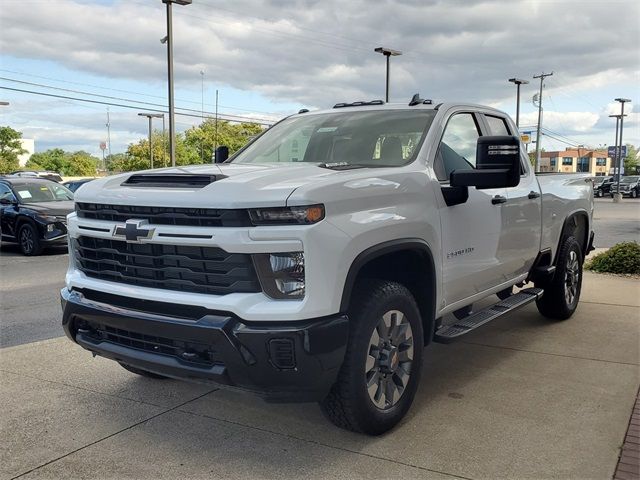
572,278
26,240
389,359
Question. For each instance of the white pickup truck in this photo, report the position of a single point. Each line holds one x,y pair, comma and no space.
319,261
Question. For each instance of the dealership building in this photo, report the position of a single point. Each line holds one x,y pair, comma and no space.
595,162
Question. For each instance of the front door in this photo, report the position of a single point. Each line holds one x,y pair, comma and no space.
471,231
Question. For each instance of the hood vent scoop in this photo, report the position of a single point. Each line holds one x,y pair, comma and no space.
170,180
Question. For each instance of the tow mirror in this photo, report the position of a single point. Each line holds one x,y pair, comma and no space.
497,164
221,154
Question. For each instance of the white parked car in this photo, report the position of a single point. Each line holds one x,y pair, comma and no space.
318,262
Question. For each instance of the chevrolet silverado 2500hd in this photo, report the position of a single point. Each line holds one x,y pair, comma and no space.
319,261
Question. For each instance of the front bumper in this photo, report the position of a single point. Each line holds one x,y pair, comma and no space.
280,361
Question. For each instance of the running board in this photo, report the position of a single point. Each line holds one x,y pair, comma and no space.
448,333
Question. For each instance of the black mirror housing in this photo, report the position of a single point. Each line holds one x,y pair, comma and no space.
497,164
221,154
7,201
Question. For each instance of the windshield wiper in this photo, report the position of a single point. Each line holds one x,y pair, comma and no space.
342,166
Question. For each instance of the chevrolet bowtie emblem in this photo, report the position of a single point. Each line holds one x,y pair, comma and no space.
134,231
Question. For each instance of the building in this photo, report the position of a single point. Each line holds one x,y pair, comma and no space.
595,162
29,144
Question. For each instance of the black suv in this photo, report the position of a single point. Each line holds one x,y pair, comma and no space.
33,213
600,189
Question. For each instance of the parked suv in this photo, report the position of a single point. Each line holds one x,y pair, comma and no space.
629,187
33,213
603,187
319,261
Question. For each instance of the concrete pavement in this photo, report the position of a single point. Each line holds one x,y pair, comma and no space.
520,398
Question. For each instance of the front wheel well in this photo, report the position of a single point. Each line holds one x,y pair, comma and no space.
577,226
410,265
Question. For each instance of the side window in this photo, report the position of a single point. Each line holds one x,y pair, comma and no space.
457,150
497,125
5,192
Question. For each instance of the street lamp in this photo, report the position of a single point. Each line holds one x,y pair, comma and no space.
169,41
150,116
518,82
387,52
622,115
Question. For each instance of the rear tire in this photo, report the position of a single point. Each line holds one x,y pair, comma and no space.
562,293
381,369
143,373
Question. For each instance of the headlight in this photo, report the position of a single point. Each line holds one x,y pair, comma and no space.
287,215
281,274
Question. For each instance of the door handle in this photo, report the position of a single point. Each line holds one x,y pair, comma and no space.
498,199
533,195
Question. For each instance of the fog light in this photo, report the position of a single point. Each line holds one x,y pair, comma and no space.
50,227
281,274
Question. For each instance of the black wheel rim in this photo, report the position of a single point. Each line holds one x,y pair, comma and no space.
389,359
26,240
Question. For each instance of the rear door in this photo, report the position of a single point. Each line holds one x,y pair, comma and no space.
520,242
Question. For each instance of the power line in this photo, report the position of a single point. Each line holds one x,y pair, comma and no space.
133,107
111,89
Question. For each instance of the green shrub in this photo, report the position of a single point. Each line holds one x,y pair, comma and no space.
622,258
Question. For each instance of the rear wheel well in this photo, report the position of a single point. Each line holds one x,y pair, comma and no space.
410,266
577,226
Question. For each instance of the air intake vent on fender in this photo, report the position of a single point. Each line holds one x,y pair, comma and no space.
170,180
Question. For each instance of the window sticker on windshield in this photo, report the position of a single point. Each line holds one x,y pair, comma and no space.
326,129
24,193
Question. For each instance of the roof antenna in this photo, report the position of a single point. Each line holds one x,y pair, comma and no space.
415,100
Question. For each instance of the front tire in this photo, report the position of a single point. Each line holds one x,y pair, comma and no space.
562,293
381,369
29,240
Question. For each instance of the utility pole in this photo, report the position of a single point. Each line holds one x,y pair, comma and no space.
216,139
108,133
169,41
518,82
542,76
202,116
622,115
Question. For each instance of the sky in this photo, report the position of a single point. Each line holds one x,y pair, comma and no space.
267,59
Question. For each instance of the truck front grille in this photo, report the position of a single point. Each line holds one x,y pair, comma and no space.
195,217
184,268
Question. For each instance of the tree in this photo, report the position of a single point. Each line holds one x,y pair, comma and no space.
73,164
631,160
10,149
203,138
137,155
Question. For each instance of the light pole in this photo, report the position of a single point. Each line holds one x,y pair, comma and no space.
4,104
518,82
151,116
622,115
169,41
387,52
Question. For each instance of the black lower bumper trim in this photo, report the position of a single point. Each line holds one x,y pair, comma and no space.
215,348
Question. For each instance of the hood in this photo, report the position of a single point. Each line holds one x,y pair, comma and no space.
63,208
237,186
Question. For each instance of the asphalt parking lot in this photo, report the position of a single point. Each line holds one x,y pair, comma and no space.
520,398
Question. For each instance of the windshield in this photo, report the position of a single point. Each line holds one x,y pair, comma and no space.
41,192
629,179
381,138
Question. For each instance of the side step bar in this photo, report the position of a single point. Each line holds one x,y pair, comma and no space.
448,333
